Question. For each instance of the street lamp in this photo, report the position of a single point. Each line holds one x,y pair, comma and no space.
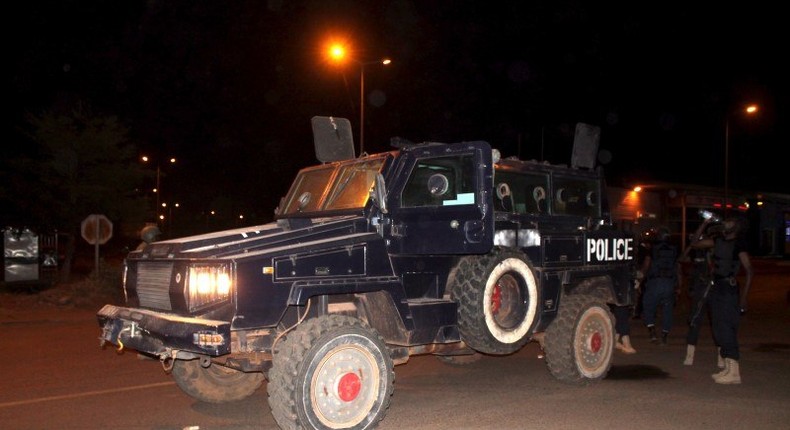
157,190
748,110
338,54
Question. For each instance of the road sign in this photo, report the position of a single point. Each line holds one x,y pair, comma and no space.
96,229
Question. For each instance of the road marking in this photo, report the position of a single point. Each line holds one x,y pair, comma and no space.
86,394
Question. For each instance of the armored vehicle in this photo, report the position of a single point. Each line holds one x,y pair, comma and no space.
430,248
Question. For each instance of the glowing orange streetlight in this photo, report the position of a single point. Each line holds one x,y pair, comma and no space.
338,53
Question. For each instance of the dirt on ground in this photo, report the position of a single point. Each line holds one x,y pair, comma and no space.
82,291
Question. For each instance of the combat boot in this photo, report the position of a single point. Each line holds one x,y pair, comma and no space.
624,344
664,335
724,370
733,374
689,361
652,331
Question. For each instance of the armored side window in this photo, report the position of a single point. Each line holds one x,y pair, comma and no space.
307,190
332,187
351,188
527,192
576,196
440,181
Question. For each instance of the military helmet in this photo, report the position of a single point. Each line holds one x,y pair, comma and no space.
656,234
150,233
736,224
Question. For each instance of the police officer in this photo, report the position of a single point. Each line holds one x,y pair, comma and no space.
663,274
727,299
698,289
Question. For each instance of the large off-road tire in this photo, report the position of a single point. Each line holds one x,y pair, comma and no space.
331,372
215,384
497,297
579,343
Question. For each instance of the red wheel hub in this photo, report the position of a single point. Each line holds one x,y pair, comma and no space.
496,298
348,387
595,342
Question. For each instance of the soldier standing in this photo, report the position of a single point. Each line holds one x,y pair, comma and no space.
663,274
699,288
727,299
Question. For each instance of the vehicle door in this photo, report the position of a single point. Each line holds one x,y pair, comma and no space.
441,200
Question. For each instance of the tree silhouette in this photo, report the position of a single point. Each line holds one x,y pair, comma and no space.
75,164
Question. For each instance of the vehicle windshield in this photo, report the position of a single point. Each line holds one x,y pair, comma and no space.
333,186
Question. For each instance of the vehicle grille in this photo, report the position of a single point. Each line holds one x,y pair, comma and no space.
153,285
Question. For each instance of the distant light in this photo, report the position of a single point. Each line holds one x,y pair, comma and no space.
751,109
760,203
386,61
637,189
241,216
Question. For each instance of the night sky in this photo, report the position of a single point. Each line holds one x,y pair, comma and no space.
229,87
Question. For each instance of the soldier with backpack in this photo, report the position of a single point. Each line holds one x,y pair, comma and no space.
662,277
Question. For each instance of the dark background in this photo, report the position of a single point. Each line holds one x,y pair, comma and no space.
228,88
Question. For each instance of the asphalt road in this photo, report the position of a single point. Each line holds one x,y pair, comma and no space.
55,376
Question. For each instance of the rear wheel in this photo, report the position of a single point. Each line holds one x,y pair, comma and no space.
331,372
215,383
497,299
580,341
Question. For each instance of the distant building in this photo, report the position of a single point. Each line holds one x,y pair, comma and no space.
676,206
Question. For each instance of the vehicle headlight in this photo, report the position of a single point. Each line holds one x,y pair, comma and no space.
207,285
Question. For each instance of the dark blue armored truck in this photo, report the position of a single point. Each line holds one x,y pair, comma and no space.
441,249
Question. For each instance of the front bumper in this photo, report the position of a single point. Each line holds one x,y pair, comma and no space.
159,333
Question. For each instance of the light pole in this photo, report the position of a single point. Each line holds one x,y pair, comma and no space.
157,190
749,110
337,53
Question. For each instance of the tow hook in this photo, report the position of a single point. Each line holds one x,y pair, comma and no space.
133,331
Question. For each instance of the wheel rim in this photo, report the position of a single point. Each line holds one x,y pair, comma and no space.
593,342
344,386
510,301
507,302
